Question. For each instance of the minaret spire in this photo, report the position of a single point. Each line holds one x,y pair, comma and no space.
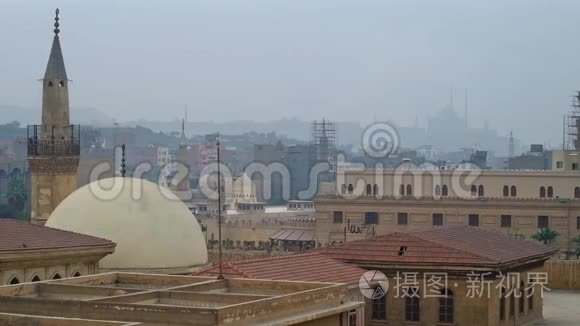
183,139
56,24
55,67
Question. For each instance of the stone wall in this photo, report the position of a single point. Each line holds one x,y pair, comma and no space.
563,274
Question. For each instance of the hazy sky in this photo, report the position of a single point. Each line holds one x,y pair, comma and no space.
268,59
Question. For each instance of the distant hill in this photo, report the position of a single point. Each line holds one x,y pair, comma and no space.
347,132
28,115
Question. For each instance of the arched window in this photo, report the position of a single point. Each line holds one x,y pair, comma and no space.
446,306
343,189
530,295
506,191
480,191
444,191
473,190
376,189
577,192
61,83
369,189
512,305
412,305
513,191
550,192
409,190
56,276
542,192
35,279
379,308
437,190
350,189
522,299
14,280
76,274
402,190
50,84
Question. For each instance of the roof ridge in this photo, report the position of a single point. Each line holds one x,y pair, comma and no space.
44,227
239,270
268,258
73,232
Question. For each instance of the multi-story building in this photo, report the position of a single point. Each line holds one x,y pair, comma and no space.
566,160
516,202
163,156
449,276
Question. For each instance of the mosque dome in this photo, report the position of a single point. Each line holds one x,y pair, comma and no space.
154,231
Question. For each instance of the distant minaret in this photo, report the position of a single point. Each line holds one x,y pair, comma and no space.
53,146
451,99
183,139
182,158
511,145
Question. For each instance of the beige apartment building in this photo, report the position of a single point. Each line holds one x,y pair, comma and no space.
516,202
565,160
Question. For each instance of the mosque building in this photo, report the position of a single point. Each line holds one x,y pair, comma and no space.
153,230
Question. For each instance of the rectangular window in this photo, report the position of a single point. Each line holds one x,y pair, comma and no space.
506,221
446,307
412,308
559,165
543,222
574,166
437,219
371,218
352,318
402,218
379,308
337,217
473,220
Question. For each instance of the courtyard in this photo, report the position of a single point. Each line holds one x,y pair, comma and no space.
561,308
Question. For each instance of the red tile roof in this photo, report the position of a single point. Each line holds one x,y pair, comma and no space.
293,235
19,235
309,267
453,245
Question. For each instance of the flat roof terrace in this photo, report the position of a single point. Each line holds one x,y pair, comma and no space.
177,300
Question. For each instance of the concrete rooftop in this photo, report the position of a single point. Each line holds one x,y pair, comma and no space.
147,299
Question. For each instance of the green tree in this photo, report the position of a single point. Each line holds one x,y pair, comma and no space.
7,211
545,235
515,233
577,240
17,192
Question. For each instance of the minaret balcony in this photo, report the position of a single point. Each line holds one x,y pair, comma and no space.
54,143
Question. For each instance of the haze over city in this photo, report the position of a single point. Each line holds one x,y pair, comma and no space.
307,163
350,61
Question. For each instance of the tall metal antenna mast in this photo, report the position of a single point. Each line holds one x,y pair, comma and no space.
123,166
219,186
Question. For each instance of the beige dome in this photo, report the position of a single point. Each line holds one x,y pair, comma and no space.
153,229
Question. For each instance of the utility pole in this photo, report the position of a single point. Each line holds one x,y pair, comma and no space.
219,186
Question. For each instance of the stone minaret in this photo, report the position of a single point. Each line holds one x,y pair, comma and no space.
53,146
182,157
